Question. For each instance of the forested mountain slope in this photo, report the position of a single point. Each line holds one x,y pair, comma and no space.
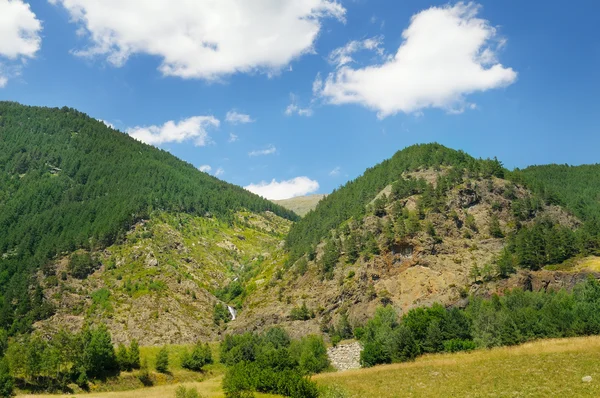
350,200
429,225
69,182
578,187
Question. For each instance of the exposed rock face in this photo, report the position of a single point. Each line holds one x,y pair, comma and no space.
345,356
467,198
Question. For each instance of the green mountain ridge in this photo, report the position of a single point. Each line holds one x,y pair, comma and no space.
70,182
100,228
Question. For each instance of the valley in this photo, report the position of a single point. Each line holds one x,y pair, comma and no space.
427,254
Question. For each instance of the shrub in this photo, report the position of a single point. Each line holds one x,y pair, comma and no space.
456,345
7,382
81,265
183,392
301,313
311,354
200,356
144,374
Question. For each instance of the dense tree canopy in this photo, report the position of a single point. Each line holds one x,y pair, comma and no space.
67,181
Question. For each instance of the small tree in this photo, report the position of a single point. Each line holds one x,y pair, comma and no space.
495,230
7,382
123,357
200,356
134,354
162,360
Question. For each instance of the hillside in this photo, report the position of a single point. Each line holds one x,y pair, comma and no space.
441,226
164,282
69,182
578,187
301,204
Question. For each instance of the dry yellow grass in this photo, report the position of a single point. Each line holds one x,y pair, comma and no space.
588,264
209,389
547,368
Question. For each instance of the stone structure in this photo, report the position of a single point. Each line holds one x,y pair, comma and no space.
345,356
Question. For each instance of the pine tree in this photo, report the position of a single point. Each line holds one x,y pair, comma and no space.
123,358
330,257
162,360
351,248
495,230
134,354
505,265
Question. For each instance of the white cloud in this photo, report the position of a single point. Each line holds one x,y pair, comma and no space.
203,39
19,37
294,109
220,171
447,53
285,189
205,168
238,118
343,55
261,152
190,129
232,137
335,172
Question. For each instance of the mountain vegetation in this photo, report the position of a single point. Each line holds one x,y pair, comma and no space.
70,182
576,187
350,200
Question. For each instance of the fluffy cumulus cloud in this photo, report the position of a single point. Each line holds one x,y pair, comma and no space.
447,53
261,152
219,172
276,190
19,37
205,168
234,117
203,39
193,129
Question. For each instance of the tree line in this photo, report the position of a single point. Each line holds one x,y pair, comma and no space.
516,317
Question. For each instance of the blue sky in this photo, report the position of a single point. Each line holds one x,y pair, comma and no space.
316,90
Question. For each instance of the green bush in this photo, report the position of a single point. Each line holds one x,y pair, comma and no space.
7,382
81,265
201,355
456,345
183,392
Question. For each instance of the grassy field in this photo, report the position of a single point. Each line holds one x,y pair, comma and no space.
548,368
545,368
210,388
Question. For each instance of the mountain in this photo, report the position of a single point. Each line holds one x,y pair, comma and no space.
101,229
577,187
301,204
429,225
68,182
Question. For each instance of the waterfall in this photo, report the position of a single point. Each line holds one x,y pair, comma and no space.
232,312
